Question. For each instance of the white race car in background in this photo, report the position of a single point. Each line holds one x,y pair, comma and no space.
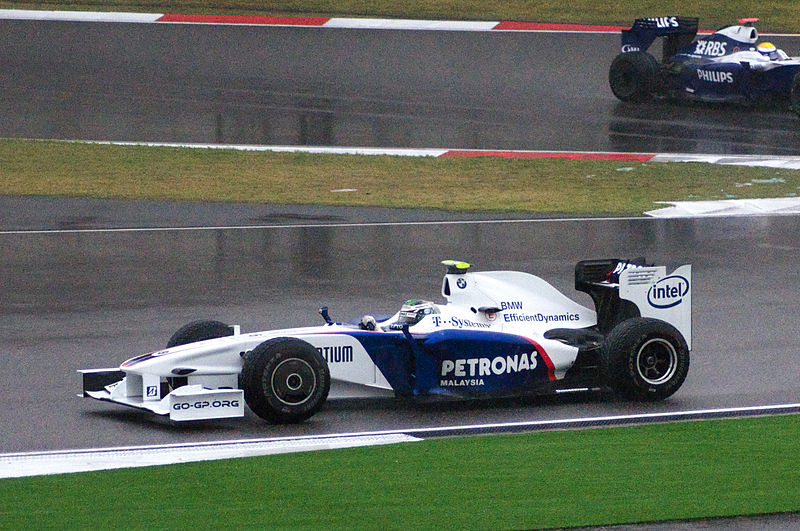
500,333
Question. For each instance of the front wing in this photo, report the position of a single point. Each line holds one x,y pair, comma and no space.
189,402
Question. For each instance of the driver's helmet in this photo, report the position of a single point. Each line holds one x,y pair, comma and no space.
768,49
414,310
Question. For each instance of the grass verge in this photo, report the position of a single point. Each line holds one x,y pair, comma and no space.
524,481
462,184
777,15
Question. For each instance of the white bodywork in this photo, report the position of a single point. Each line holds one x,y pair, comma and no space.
743,34
756,60
500,301
661,296
747,37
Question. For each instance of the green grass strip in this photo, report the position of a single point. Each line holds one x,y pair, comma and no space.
775,15
456,184
567,478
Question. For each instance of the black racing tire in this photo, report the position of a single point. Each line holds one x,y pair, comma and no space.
191,333
285,380
199,331
645,359
632,76
794,95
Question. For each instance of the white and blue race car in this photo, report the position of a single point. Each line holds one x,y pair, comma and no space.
728,65
499,334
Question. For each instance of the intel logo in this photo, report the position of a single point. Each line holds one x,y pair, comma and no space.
668,292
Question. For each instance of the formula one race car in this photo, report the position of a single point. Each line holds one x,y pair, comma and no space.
726,66
500,334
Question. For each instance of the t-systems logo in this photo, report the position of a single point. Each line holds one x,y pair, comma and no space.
668,292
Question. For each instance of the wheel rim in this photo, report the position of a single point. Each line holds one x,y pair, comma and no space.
293,381
657,361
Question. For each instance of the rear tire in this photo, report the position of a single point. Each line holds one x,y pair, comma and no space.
645,359
285,380
632,76
794,96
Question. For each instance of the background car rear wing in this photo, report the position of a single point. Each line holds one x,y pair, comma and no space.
679,32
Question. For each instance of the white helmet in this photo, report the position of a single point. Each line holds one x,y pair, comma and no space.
414,310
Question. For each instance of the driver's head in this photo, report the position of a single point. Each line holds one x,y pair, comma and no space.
414,310
768,49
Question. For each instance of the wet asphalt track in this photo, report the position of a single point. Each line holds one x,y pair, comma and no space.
91,299
441,89
86,299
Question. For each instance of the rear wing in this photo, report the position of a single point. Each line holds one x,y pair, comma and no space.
622,289
678,33
661,296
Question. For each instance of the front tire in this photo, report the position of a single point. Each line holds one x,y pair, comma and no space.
285,380
191,333
632,76
645,359
199,331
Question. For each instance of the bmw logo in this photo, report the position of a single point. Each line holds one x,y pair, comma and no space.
461,283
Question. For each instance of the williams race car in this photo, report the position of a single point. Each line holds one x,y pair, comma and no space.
500,334
726,66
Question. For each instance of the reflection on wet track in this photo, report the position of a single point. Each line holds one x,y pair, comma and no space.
305,86
76,300
91,299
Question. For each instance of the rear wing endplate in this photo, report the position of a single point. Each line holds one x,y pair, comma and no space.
679,32
661,296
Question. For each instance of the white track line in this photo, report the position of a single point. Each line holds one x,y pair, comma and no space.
787,162
84,460
735,207
69,461
78,16
404,24
728,207
319,150
319,22
317,225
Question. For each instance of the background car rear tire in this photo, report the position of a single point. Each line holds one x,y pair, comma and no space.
285,380
632,76
794,97
199,331
645,359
